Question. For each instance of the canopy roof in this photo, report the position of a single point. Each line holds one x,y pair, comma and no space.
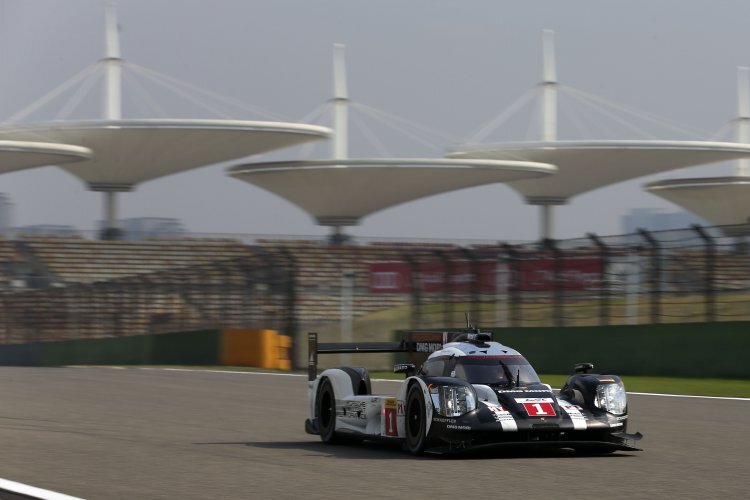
588,165
128,152
18,155
340,192
719,200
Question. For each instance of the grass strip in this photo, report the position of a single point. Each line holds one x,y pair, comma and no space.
659,385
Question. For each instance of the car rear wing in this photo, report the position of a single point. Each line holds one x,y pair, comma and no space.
418,343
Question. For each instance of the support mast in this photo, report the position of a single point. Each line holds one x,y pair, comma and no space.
340,146
549,116
743,118
112,105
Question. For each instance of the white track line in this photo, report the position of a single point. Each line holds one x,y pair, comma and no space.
32,491
398,381
688,396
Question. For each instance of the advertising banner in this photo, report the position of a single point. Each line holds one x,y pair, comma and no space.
532,275
434,277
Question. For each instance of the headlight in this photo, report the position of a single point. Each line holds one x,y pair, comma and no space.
454,400
611,397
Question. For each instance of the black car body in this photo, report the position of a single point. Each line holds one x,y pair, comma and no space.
469,393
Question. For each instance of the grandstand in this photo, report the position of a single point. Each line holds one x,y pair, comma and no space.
76,260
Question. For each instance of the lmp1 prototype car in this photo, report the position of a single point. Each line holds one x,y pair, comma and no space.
469,393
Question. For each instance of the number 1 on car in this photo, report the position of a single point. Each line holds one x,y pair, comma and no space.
539,409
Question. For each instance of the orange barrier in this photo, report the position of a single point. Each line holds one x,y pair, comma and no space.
251,347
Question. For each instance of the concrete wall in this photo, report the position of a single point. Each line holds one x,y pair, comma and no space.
262,348
688,350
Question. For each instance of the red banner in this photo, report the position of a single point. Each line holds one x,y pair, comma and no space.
390,277
396,277
534,275
577,274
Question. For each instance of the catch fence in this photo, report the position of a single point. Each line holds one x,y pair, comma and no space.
65,288
696,274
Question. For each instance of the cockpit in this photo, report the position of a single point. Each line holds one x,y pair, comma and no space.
503,371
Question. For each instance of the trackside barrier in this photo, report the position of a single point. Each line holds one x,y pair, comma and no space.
251,347
706,350
261,348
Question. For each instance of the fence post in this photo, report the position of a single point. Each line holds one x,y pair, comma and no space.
710,270
514,285
291,302
604,300
501,280
415,291
474,308
654,275
347,311
446,287
558,283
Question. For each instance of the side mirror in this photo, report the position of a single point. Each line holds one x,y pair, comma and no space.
408,369
583,367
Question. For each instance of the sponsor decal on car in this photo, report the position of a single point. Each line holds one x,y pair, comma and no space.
537,407
458,427
428,346
521,390
444,420
574,412
355,409
507,422
390,417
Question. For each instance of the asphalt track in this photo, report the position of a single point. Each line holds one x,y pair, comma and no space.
102,433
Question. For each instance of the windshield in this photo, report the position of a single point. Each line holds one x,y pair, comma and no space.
496,370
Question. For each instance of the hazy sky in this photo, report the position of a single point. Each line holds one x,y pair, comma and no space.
445,64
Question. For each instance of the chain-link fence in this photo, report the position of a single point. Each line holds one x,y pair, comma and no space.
691,275
62,288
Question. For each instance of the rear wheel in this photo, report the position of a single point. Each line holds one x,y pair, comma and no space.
326,413
416,420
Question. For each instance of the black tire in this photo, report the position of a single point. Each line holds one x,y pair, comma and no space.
416,420
325,412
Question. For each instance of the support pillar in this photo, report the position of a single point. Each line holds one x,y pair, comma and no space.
110,231
545,222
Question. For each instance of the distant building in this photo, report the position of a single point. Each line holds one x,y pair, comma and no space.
656,219
6,213
139,228
47,230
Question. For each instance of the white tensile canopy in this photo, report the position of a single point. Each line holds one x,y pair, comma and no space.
588,165
339,192
719,200
128,152
20,155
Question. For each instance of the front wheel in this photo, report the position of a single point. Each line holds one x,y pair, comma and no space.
416,420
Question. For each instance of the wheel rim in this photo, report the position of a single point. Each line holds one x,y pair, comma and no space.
326,411
415,419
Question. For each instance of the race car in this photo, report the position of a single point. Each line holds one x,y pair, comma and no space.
470,392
